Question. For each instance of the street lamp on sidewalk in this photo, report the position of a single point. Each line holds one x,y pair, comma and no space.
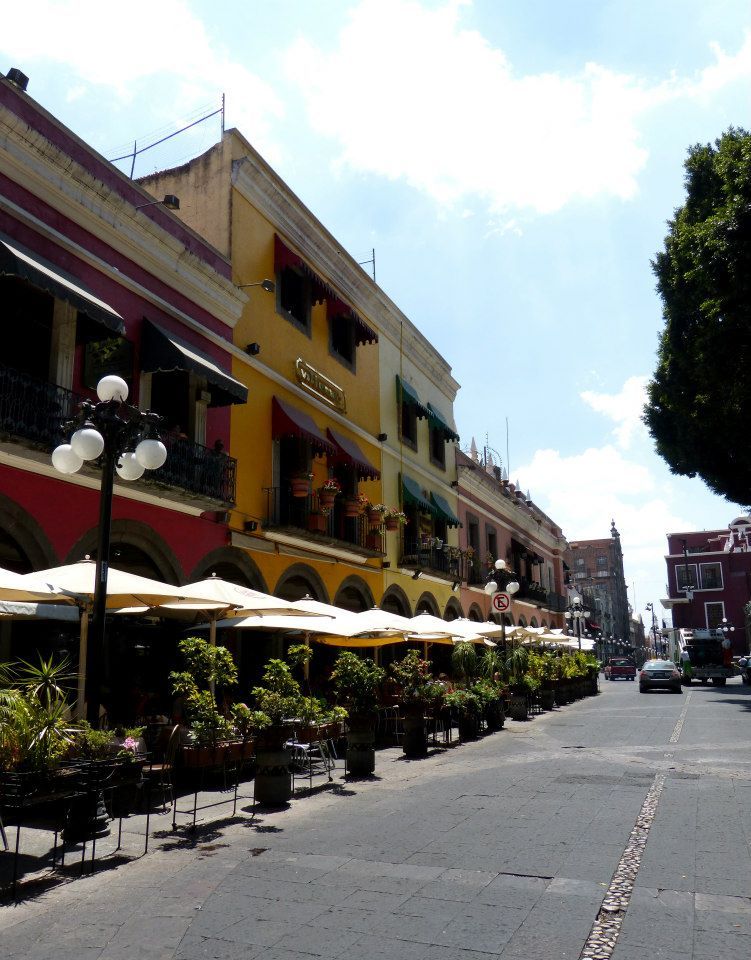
500,579
575,615
126,440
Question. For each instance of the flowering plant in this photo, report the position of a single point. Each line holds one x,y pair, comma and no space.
397,515
331,486
378,508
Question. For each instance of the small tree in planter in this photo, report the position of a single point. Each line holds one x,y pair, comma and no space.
418,691
467,707
356,681
206,667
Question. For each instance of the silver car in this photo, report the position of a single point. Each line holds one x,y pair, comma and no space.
659,674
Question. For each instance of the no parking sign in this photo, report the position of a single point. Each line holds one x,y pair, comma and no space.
501,602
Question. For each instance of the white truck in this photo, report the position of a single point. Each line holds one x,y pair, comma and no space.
708,657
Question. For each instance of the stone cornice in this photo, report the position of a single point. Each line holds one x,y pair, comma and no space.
66,186
258,183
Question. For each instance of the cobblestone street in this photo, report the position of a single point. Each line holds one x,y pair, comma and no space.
501,848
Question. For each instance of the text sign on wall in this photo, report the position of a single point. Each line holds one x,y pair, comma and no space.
321,386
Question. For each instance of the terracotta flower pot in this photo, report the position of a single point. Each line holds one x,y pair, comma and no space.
299,487
326,498
391,524
352,508
375,518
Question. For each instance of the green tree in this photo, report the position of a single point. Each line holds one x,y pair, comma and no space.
699,400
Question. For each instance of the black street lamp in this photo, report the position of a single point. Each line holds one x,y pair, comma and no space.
503,580
658,648
127,441
726,629
575,615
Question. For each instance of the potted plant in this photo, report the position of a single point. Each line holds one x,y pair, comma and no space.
356,681
279,702
317,521
207,669
517,664
466,707
417,692
300,484
354,506
376,513
328,492
393,519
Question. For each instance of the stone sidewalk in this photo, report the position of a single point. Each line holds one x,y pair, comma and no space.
500,848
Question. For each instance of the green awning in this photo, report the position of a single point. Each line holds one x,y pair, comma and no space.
406,393
445,511
440,422
413,496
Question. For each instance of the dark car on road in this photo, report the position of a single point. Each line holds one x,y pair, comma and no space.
620,668
656,674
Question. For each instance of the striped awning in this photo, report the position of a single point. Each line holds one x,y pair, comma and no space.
406,393
444,510
437,420
413,496
349,452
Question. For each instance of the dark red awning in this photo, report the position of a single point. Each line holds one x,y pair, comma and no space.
347,451
363,332
288,421
284,257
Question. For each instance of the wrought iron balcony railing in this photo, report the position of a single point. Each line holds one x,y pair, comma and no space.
35,411
305,513
432,555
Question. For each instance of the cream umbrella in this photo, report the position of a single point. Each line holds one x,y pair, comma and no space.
32,588
123,590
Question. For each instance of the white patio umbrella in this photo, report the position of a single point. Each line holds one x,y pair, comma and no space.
31,588
123,590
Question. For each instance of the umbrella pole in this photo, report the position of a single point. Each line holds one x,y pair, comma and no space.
212,641
82,652
306,665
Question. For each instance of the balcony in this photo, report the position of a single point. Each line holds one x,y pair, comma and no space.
34,412
304,515
433,556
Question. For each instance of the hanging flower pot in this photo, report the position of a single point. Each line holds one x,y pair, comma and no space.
300,486
352,507
326,498
376,513
391,524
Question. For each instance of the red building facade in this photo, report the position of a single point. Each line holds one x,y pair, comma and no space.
97,277
709,579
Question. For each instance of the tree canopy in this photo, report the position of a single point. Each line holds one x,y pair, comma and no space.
699,400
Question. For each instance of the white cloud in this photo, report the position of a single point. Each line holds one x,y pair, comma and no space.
625,409
160,50
410,94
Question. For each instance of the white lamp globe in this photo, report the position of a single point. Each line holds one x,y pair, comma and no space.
151,454
491,587
512,587
726,644
87,443
500,564
112,388
129,468
65,459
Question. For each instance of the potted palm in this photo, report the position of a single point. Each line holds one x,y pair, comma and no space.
356,681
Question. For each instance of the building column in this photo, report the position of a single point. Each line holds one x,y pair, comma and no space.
63,344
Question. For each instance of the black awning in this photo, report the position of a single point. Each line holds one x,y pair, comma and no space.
349,452
288,421
17,262
165,352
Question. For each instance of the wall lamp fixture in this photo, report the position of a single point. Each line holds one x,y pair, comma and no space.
454,585
382,437
454,484
170,201
17,78
250,526
268,285
253,349
416,575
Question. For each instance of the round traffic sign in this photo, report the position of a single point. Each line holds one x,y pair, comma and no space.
501,602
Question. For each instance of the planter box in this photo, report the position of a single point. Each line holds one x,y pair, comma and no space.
518,707
316,523
273,786
415,740
361,751
468,727
547,699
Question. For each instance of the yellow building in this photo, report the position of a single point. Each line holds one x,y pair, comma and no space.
342,387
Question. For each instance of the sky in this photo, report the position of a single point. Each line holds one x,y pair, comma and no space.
513,165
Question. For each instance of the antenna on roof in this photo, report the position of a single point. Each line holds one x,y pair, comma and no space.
362,263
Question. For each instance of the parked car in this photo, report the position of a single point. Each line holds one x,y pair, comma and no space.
657,674
620,668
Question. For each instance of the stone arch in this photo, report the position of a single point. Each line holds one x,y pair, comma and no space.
354,594
507,620
544,623
453,609
138,541
522,620
233,564
395,600
427,602
475,613
298,580
24,535
533,622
